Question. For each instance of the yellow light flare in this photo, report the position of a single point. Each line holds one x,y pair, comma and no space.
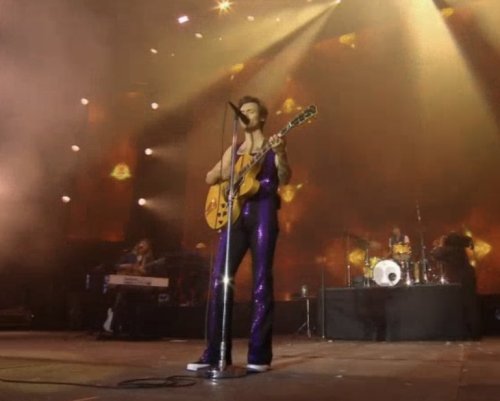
236,68
357,257
288,192
224,6
121,172
349,39
447,12
481,249
289,106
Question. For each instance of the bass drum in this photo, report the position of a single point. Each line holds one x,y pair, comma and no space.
387,273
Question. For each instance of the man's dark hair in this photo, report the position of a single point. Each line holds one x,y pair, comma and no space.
263,112
457,240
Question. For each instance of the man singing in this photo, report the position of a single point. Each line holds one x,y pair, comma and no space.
255,229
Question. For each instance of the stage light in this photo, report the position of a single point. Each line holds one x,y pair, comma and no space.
198,35
349,39
153,50
75,148
84,101
155,106
288,192
148,151
65,199
223,6
481,249
121,172
236,68
289,106
357,257
251,18
183,19
141,202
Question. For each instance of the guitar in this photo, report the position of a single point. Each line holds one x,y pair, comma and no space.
245,183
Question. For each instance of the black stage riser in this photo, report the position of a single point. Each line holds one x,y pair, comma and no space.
425,312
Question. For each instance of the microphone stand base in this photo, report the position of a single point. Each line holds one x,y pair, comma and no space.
216,373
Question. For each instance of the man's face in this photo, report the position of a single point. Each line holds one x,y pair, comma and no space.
396,231
251,110
143,247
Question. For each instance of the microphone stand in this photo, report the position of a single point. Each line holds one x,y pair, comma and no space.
423,257
222,370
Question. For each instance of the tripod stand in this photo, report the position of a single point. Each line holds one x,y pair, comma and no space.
307,323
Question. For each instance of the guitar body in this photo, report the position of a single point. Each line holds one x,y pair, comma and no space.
216,205
217,208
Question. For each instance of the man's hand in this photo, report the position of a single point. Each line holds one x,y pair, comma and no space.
277,144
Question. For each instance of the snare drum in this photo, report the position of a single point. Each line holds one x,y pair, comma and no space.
387,273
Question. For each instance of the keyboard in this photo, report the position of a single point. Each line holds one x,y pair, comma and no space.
138,281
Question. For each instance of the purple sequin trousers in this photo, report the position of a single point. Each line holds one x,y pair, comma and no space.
256,230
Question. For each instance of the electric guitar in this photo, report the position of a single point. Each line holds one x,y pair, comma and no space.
245,182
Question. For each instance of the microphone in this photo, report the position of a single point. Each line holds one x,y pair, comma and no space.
244,119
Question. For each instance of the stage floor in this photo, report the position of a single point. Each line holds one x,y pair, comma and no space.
303,369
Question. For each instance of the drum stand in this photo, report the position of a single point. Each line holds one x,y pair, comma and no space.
366,274
424,263
405,266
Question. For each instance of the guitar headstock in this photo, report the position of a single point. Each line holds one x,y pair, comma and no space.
304,116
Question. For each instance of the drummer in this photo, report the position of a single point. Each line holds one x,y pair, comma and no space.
398,243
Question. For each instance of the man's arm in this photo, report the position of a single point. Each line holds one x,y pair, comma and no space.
221,171
281,159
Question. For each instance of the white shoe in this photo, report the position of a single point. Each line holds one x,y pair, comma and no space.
195,366
253,368
107,324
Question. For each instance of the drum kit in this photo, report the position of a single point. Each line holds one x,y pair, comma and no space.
399,269
389,272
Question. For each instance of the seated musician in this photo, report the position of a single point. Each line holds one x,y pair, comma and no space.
399,244
123,316
134,263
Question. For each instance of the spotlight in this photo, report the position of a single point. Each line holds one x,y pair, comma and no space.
183,19
223,6
75,148
84,101
155,106
148,151
251,18
141,201
198,35
65,199
153,50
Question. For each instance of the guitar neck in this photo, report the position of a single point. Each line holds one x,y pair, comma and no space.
258,157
